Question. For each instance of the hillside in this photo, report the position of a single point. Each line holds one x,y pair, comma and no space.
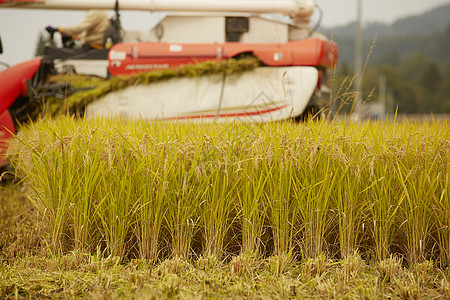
427,23
411,54
428,34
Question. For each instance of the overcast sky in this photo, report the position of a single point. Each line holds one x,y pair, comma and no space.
338,12
19,29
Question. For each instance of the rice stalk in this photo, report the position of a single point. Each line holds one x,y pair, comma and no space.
155,190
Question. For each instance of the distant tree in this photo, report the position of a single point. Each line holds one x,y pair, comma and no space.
431,78
413,66
345,69
405,96
444,95
444,92
405,92
392,58
431,81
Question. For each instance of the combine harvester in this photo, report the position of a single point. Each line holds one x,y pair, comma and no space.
290,83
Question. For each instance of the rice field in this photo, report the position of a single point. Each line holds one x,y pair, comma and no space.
283,192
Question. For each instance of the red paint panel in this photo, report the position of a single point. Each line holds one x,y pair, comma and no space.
12,81
131,58
330,54
7,132
308,52
145,57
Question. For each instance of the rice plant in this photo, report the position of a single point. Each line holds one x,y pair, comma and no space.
287,191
